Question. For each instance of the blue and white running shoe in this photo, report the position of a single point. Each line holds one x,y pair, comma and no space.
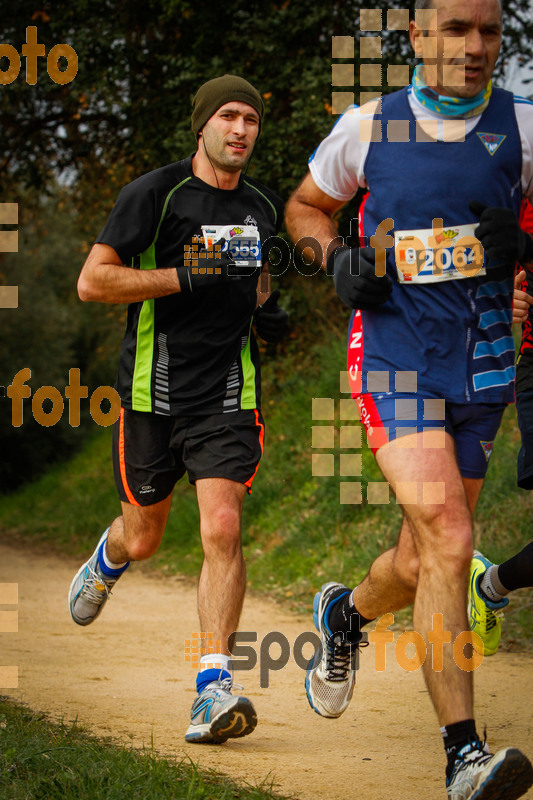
330,677
216,715
90,589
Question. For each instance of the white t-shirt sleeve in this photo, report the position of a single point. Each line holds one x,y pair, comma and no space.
524,117
337,165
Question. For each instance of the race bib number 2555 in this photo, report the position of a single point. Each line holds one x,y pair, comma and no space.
242,241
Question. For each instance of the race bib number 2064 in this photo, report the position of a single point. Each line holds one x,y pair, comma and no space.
429,256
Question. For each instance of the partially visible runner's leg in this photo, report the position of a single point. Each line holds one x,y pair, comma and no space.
134,536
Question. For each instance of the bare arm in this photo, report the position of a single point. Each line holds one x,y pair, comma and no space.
105,279
309,212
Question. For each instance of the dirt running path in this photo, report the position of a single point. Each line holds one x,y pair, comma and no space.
125,676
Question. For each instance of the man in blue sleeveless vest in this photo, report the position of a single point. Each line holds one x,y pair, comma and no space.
430,353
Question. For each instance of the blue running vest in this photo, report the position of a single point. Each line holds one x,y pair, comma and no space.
456,335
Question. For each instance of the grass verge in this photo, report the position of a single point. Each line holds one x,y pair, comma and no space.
45,760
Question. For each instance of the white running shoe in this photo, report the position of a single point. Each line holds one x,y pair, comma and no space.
90,589
330,677
478,775
216,715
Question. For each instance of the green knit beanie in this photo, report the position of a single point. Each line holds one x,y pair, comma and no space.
219,91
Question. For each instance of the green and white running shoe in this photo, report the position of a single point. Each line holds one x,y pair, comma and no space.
484,615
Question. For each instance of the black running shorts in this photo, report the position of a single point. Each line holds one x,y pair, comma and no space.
151,452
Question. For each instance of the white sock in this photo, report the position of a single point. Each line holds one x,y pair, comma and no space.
215,661
107,561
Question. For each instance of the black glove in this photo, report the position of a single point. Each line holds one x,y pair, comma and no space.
356,282
503,240
271,321
219,268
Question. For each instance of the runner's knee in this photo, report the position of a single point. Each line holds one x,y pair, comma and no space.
140,549
143,537
449,550
221,532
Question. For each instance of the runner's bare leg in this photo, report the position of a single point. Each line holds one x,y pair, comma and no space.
425,477
222,581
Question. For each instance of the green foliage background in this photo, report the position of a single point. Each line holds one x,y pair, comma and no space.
127,110
65,151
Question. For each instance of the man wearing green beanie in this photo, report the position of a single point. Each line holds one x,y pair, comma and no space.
219,91
182,246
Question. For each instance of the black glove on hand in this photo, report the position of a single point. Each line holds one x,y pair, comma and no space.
271,321
356,282
219,268
503,240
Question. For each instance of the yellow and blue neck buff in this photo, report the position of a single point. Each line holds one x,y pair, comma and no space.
449,106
